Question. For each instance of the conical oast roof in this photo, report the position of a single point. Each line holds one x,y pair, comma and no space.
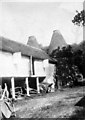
33,42
56,40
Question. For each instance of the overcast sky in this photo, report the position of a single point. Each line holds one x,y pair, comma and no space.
19,20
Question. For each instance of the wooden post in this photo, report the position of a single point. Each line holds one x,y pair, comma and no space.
38,90
27,86
30,63
13,87
31,66
5,92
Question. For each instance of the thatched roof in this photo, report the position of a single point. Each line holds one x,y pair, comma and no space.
12,46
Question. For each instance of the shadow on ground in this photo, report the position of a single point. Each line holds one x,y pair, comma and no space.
81,103
80,112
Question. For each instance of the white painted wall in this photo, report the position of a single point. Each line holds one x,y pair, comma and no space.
49,70
39,68
18,65
13,64
24,68
6,64
21,64
44,68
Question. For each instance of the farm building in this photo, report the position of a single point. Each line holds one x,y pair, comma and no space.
21,63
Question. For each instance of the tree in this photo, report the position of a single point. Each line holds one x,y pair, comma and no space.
79,18
79,58
65,71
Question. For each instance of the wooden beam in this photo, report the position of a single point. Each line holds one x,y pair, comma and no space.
13,87
37,79
30,66
27,86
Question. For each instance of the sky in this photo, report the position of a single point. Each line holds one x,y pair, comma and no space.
21,19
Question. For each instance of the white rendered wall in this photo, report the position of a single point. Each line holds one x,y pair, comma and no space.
49,68
6,64
39,68
11,65
49,71
21,64
43,67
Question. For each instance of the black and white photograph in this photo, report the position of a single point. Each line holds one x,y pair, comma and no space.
42,59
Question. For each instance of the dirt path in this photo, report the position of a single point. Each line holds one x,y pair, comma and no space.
53,105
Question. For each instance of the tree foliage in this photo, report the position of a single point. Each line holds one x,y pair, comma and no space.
79,18
79,55
79,58
70,63
66,70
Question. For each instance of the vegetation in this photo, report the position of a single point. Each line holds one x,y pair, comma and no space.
70,63
79,18
66,71
70,59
